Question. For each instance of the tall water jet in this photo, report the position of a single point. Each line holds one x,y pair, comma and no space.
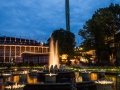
53,57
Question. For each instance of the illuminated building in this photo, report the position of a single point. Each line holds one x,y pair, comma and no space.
80,54
14,49
64,58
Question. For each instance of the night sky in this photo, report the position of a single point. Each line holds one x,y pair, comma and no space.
39,18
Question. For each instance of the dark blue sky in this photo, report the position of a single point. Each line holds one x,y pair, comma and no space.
39,18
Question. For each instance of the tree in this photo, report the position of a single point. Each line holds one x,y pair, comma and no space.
104,57
66,42
98,30
88,56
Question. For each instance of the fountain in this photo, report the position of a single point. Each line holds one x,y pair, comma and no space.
53,57
33,72
104,85
50,78
5,75
85,75
55,76
53,62
54,70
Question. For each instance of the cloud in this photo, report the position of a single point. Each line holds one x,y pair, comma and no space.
41,17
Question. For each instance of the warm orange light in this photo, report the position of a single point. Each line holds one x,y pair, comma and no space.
64,56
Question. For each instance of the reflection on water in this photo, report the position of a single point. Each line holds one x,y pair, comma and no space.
23,78
115,79
31,79
14,78
27,78
93,76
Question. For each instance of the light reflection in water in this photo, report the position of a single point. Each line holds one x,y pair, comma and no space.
21,78
112,78
93,76
31,79
14,78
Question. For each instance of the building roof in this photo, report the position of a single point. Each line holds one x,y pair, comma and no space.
21,41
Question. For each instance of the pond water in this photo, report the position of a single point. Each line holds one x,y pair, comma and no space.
32,79
116,80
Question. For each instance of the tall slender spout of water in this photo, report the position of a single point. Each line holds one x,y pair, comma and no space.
53,57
